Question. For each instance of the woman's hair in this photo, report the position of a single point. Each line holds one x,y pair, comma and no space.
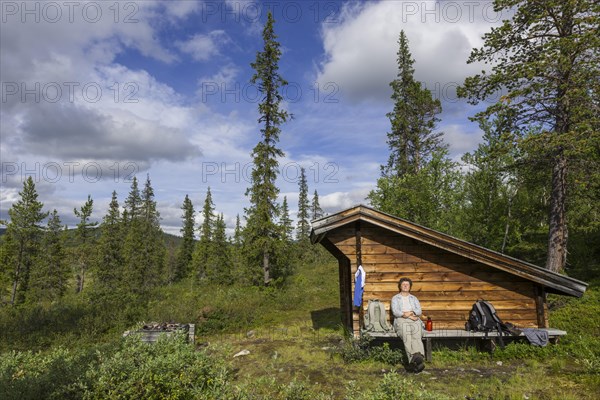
405,280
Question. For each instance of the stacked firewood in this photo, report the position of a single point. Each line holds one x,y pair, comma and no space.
165,327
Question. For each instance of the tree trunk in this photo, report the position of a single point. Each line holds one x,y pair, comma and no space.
557,235
507,225
15,283
266,267
17,276
81,279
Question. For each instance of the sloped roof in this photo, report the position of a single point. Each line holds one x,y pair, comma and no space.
552,281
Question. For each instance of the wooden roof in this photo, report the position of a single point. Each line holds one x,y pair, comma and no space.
552,281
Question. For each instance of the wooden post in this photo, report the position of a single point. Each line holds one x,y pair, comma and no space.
358,244
345,283
358,312
540,306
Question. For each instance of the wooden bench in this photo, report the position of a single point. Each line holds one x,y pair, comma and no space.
459,334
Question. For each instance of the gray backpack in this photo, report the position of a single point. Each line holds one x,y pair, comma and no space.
375,319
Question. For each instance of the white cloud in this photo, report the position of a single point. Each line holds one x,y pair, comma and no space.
182,9
137,123
460,140
203,47
224,78
334,202
361,51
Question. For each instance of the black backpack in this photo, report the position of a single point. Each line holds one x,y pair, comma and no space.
483,318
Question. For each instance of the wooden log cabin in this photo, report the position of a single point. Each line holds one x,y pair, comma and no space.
448,274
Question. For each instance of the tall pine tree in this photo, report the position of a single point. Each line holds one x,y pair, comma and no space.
50,277
261,233
109,263
133,203
285,221
219,265
144,247
303,225
412,139
84,245
285,250
23,236
238,259
186,250
546,59
203,247
490,187
315,207
419,181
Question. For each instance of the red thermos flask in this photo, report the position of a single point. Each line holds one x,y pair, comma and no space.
429,324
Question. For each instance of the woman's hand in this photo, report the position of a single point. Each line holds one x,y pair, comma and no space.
410,315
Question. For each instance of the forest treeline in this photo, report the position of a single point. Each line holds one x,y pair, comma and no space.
128,253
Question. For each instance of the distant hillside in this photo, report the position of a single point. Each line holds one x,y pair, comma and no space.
71,236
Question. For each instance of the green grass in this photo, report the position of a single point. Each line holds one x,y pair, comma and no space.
297,350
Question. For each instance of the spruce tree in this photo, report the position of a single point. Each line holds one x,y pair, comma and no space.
490,187
156,248
84,245
237,233
237,255
7,263
186,250
303,225
219,265
133,203
286,222
24,233
50,278
144,247
109,263
419,181
203,247
546,60
285,250
315,207
412,139
261,233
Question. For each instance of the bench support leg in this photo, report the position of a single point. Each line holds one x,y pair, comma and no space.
428,349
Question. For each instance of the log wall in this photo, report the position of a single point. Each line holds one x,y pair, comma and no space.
446,284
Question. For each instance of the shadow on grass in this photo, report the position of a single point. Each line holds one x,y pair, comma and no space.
326,318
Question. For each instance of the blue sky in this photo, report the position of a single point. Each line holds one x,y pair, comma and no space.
94,92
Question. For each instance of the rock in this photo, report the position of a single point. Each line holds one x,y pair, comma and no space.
475,370
499,363
242,353
250,334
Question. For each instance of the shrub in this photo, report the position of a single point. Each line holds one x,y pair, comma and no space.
362,349
169,368
355,350
58,374
392,387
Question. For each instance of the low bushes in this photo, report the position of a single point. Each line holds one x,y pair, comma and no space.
169,368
